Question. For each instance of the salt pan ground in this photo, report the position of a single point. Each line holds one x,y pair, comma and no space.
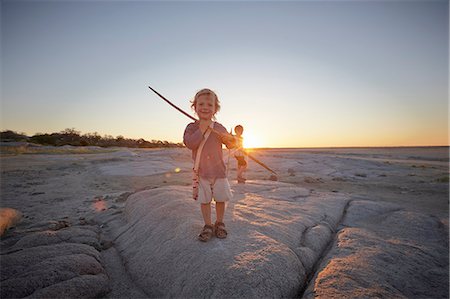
347,223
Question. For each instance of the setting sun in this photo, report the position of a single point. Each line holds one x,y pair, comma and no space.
251,141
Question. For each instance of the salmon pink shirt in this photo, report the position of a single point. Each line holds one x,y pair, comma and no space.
211,160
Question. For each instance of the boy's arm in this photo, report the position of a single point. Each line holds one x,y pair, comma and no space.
192,136
226,138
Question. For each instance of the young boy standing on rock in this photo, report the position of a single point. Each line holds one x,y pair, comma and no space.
205,138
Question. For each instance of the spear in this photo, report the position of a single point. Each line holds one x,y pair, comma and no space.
215,131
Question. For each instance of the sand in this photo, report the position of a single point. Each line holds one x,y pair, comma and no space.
81,198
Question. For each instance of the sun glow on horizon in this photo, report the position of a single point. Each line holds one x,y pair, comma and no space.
252,141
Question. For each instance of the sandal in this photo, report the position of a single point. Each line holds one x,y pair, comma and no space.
206,234
221,232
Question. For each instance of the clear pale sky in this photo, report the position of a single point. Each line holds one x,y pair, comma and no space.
294,74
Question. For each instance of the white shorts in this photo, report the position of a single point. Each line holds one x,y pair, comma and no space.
219,189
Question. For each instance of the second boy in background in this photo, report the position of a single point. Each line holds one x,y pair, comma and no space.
240,155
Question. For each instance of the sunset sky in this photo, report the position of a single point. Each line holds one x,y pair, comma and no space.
293,73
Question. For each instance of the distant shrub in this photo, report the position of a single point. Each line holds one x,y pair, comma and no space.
44,139
9,135
70,136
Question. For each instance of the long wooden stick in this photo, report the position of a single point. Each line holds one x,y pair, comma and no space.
214,131
259,162
173,105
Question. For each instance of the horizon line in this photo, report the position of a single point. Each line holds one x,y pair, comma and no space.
353,146
266,147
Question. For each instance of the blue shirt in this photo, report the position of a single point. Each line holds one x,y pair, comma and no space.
211,159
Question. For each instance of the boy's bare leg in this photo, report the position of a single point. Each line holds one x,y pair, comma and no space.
206,212
220,211
240,174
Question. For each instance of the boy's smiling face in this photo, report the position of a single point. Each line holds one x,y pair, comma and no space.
205,107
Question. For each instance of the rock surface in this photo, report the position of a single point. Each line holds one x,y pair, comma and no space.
284,241
349,223
272,245
60,263
386,252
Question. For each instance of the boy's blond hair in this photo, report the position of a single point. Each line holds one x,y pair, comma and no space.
203,92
